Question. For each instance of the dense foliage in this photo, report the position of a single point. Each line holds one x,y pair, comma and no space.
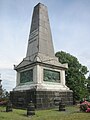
4,97
75,75
88,83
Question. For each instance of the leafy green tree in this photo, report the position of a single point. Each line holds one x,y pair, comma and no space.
75,74
88,83
4,97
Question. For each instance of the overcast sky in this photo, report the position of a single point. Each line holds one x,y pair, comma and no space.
70,26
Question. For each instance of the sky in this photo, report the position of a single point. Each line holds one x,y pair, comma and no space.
70,27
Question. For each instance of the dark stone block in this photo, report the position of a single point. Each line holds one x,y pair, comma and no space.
41,99
30,109
61,106
9,107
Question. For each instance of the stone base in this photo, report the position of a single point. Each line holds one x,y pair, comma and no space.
41,99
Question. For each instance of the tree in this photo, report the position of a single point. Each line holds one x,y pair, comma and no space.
75,74
88,83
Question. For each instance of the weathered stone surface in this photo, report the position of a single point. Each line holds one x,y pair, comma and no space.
41,99
42,89
40,45
40,34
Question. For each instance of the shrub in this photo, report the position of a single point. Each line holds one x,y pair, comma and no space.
3,103
85,106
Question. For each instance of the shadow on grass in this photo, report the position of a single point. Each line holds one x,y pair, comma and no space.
67,111
58,110
25,115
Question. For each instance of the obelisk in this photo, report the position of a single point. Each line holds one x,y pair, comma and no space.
40,76
40,39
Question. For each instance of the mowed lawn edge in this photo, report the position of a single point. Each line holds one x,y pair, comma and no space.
71,113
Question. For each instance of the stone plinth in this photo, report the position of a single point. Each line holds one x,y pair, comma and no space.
41,99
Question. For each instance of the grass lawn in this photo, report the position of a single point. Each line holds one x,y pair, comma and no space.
71,113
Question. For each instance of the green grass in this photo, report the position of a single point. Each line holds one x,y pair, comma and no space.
71,113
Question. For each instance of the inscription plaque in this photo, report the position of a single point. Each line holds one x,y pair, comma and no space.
51,76
26,76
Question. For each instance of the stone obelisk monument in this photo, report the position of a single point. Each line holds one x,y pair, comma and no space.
40,77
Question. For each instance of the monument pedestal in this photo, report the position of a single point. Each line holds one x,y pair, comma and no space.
48,84
41,99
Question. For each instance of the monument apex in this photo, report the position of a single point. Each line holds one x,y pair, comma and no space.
40,34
